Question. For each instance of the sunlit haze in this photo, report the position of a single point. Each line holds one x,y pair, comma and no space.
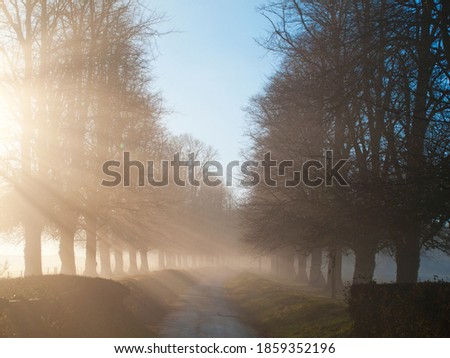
224,168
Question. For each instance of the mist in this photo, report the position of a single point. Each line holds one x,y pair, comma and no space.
117,206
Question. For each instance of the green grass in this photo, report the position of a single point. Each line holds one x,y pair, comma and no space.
282,310
73,306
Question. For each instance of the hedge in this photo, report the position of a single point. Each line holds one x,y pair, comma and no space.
400,310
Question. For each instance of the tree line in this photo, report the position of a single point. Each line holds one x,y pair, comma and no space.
77,85
369,80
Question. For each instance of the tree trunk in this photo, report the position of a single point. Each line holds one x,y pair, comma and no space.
67,252
91,246
170,260
32,253
161,260
408,259
31,219
286,264
274,265
334,282
302,275
133,261
184,261
105,259
316,278
118,260
365,253
408,247
144,261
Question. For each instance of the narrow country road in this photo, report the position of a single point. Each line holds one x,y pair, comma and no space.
205,311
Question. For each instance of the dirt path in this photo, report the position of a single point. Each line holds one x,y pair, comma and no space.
205,311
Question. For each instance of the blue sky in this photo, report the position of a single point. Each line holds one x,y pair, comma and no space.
209,67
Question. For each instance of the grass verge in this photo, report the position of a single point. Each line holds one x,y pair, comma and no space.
74,306
281,310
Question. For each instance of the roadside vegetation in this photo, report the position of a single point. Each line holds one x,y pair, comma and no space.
73,306
285,310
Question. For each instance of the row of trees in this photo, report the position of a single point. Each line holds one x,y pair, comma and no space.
76,84
368,80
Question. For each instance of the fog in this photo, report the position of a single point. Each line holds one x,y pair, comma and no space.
341,184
